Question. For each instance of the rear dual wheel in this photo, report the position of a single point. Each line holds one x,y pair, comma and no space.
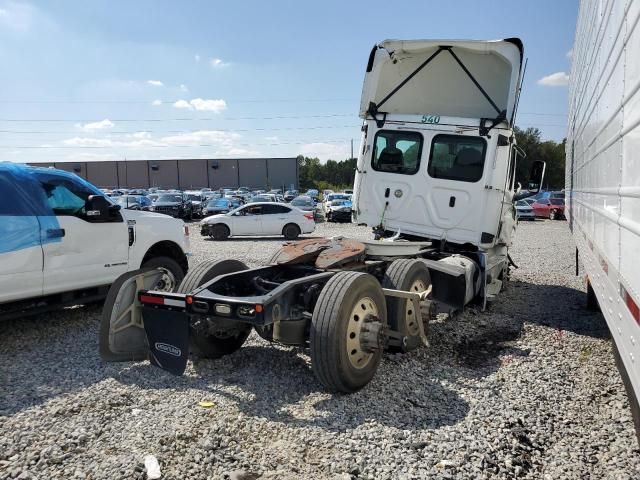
227,338
347,331
408,275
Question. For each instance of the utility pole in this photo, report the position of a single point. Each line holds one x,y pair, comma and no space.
351,148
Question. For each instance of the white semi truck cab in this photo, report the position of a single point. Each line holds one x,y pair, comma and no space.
63,242
438,155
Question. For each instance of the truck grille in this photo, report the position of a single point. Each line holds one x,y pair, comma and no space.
167,210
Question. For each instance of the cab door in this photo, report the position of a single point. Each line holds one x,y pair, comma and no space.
90,252
21,256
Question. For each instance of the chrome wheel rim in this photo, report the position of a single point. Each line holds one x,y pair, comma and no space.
167,282
358,358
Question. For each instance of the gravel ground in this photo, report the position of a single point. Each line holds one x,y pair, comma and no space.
527,389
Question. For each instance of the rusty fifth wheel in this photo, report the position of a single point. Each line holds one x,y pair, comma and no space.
348,331
214,338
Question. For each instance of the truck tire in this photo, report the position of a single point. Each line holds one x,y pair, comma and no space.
291,231
410,275
220,232
210,345
340,361
631,396
173,273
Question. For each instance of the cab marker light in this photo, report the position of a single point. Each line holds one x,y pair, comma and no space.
259,308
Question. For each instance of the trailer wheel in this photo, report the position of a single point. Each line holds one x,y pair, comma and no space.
347,331
225,340
220,232
412,276
291,231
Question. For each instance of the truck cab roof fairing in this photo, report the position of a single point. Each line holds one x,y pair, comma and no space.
442,87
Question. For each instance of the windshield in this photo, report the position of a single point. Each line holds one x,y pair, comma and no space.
302,202
339,202
521,203
556,201
194,197
219,202
169,198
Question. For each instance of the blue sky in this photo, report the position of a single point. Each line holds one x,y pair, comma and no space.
157,79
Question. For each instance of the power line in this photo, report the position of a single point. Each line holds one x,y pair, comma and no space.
170,102
66,132
208,145
184,119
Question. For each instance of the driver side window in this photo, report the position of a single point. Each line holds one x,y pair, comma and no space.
65,197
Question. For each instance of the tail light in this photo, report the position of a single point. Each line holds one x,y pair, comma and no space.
308,216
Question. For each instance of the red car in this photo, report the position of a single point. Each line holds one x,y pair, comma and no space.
551,208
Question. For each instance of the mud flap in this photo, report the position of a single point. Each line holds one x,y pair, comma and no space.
168,336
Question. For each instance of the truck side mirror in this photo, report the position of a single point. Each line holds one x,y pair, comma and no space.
99,209
536,176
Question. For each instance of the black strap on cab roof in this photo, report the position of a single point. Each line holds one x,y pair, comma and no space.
374,109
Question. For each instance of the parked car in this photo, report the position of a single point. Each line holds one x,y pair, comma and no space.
264,197
133,202
259,219
198,202
524,211
307,204
338,210
313,193
174,204
331,197
64,242
289,195
221,205
529,200
551,208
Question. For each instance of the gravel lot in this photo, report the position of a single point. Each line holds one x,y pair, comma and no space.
527,389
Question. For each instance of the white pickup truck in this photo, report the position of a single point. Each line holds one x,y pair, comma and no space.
63,242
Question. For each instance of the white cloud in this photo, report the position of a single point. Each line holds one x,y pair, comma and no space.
17,16
558,79
569,54
155,83
208,105
242,152
326,151
141,135
88,142
183,104
93,126
272,139
197,57
202,137
156,103
183,88
217,63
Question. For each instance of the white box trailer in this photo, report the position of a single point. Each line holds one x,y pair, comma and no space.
603,171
